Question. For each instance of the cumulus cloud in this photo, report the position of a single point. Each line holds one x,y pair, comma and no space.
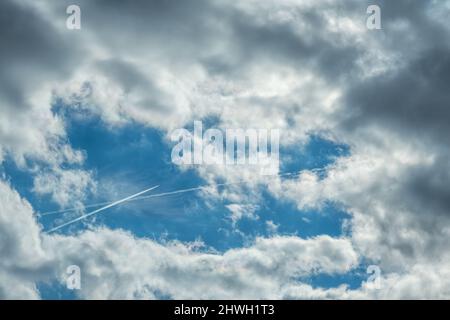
30,133
28,127
115,264
175,270
393,181
23,257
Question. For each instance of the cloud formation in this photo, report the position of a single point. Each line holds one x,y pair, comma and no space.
306,67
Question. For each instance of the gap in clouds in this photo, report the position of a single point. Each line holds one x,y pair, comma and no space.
132,157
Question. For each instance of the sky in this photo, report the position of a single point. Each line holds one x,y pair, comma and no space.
87,117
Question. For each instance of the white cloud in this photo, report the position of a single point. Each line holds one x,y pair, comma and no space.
66,187
23,257
115,264
271,226
239,211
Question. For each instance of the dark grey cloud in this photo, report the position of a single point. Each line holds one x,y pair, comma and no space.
409,102
128,75
32,52
414,100
188,32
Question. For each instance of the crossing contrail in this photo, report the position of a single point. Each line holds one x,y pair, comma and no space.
166,193
101,209
141,198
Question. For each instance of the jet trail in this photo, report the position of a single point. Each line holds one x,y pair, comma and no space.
101,209
141,198
169,193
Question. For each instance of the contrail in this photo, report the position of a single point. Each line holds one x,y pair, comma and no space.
162,194
101,209
168,193
141,198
